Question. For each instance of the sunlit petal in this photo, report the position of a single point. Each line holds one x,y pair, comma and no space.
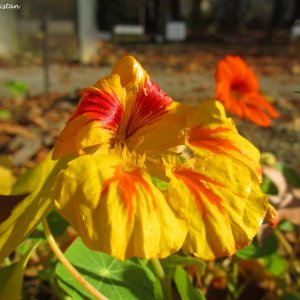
167,131
212,133
96,120
225,205
115,208
131,72
143,108
271,216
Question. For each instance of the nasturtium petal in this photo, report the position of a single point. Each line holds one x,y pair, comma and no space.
6,172
131,73
28,212
81,136
96,120
212,133
110,88
103,104
66,141
116,208
271,216
224,201
144,107
166,132
91,138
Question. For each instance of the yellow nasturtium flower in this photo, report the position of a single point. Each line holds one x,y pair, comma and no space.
127,190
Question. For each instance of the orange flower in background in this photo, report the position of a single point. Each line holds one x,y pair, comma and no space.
238,89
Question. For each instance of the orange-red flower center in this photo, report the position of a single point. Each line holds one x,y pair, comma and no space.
151,103
98,105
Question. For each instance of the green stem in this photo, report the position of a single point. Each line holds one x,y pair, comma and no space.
60,256
235,273
164,279
244,285
159,271
288,248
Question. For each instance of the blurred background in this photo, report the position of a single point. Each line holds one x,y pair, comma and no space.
51,49
71,23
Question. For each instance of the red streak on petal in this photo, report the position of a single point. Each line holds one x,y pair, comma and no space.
101,106
151,103
127,182
198,185
205,138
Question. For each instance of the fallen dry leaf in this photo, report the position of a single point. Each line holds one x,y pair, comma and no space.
15,129
278,179
287,201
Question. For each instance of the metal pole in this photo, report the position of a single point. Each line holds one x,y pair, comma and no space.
45,27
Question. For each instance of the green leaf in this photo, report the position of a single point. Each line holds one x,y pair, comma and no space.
182,159
11,277
268,159
16,87
185,287
290,296
290,175
57,224
162,185
276,264
180,260
26,214
5,114
128,280
268,186
269,246
286,226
